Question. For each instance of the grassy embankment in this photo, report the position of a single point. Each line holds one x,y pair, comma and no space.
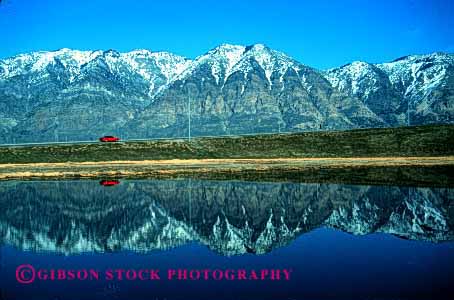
391,144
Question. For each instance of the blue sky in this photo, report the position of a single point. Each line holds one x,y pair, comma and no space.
322,34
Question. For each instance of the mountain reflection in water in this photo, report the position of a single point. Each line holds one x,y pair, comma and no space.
229,217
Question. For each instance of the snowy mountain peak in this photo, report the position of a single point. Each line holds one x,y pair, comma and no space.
139,52
269,60
225,49
418,75
257,47
38,61
415,62
228,59
111,52
228,54
353,76
430,56
149,65
355,68
220,60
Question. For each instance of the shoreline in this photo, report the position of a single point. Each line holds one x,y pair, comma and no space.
431,171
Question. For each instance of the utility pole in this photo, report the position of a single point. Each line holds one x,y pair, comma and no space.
56,123
408,112
189,117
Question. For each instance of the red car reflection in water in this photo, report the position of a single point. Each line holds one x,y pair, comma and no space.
109,138
109,182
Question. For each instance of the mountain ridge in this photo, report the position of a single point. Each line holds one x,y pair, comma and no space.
233,89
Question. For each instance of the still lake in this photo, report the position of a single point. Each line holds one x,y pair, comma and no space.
337,241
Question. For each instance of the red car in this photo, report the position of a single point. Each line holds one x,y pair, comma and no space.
109,182
109,138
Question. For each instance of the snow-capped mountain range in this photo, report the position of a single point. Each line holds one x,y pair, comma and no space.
72,94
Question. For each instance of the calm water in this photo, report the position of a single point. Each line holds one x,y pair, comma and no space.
336,241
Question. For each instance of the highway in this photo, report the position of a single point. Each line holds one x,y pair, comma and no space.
139,140
48,143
